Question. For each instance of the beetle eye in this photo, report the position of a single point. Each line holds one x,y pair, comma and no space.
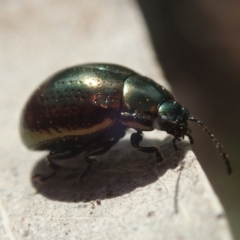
161,122
164,118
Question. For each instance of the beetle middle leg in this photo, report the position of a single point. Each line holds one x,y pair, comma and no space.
56,155
136,138
97,149
102,145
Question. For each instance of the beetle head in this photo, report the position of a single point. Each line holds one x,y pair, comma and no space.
172,118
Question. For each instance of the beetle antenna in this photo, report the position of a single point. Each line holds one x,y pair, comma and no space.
217,144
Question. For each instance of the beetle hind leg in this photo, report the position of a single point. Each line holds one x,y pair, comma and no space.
55,155
136,138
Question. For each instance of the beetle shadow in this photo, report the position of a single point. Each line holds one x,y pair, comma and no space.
117,172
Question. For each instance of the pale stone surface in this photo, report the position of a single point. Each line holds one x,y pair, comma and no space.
125,196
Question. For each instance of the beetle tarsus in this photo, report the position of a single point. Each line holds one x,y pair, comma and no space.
159,157
174,143
42,178
90,162
190,138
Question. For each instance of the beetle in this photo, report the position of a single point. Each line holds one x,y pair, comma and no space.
88,108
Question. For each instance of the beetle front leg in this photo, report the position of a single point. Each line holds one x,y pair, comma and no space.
136,138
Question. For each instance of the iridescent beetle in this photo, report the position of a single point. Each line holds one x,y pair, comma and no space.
88,108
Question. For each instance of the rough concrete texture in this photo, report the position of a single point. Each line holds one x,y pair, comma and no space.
126,196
